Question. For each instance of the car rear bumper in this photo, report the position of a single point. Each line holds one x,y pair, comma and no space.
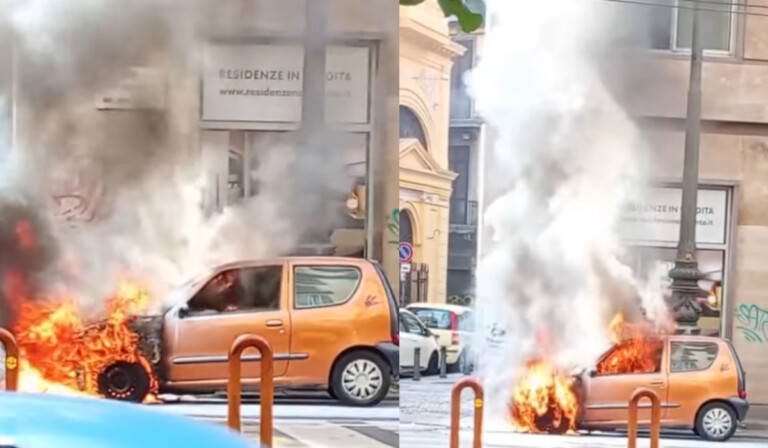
741,406
392,354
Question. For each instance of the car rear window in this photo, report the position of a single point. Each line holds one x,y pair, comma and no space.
320,286
692,356
432,318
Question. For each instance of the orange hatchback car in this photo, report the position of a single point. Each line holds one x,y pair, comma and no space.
332,323
699,380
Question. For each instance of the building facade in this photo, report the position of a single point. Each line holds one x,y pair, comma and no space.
464,143
426,53
732,221
732,229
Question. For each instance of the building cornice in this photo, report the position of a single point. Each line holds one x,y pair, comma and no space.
428,39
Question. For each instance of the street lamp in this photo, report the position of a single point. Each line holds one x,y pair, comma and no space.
685,274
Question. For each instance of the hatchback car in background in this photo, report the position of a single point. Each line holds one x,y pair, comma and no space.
46,421
699,380
414,334
331,321
454,325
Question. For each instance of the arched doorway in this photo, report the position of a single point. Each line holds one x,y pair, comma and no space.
414,276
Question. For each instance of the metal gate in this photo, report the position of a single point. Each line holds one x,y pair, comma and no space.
414,284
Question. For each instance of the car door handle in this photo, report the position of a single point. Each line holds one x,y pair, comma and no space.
657,383
275,323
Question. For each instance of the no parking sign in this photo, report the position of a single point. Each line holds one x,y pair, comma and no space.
405,252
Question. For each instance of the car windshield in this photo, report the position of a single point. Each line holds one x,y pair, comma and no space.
433,318
183,291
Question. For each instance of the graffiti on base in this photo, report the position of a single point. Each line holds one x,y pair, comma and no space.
753,322
393,224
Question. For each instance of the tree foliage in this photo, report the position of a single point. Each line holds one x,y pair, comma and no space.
469,20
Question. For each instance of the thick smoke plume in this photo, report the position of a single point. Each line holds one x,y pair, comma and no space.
563,160
115,192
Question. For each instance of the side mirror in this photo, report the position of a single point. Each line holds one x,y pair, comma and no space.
592,373
183,312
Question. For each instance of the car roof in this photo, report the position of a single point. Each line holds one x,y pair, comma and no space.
458,309
44,421
293,259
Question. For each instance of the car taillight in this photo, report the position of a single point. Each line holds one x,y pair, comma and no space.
396,339
743,394
454,328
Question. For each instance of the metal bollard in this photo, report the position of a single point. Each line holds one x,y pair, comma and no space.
11,360
634,402
443,361
456,412
266,394
417,364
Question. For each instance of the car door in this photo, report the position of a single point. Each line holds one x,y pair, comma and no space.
232,302
608,390
407,343
415,332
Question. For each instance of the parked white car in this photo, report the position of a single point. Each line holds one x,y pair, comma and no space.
454,325
413,333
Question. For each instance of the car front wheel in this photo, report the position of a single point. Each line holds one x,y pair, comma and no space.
716,422
125,381
361,379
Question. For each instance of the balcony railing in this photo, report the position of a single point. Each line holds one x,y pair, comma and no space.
463,212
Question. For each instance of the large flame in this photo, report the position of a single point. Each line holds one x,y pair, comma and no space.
60,351
544,400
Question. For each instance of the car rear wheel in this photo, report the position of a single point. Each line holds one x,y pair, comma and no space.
126,381
361,378
716,422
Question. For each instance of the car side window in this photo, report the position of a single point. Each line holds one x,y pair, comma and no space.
634,356
321,286
692,356
247,289
411,325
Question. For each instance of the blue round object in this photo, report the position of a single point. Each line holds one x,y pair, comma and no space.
46,421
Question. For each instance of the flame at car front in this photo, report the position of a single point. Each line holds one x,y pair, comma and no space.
62,353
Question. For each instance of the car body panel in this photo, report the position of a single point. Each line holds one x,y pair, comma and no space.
45,421
306,342
682,393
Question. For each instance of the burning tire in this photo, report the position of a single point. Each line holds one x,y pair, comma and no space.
125,381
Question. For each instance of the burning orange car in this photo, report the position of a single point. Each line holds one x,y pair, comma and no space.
331,321
699,380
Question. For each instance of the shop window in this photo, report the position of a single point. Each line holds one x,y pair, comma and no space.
669,25
319,286
692,356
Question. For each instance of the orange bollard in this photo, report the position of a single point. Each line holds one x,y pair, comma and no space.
267,388
634,403
11,360
456,411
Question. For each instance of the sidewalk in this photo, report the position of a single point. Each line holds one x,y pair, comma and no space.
757,417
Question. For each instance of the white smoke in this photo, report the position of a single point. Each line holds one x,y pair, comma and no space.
563,161
141,171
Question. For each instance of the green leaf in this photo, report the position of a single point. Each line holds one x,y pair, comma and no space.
469,21
411,2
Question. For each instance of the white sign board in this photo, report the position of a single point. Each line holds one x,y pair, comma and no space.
657,217
264,83
142,88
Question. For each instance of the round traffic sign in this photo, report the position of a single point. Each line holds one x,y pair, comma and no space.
405,252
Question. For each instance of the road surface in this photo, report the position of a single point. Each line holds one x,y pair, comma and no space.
302,421
425,420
